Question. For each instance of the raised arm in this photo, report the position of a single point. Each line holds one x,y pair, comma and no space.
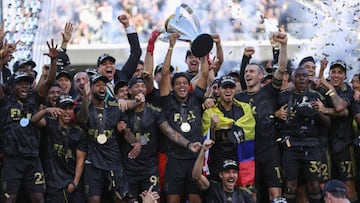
44,87
202,82
66,35
248,52
282,39
219,54
197,172
165,86
149,61
83,115
131,63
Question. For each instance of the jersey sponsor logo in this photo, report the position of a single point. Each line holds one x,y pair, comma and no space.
189,118
60,151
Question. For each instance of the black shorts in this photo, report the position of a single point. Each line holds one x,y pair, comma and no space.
178,177
302,160
140,182
343,164
63,195
98,181
325,165
268,170
22,171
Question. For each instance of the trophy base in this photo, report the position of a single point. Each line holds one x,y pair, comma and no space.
202,45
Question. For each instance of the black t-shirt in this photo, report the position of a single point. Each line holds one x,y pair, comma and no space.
303,127
60,153
216,194
341,132
154,99
104,156
192,115
17,140
145,126
264,104
223,148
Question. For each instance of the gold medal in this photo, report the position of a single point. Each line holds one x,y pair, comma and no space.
101,139
185,127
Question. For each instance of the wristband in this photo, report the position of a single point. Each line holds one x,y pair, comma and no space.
74,184
188,144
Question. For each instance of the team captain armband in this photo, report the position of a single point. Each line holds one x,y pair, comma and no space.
276,82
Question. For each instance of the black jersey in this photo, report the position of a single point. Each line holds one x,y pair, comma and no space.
60,153
177,114
19,139
223,148
303,120
145,126
264,104
341,132
216,194
104,156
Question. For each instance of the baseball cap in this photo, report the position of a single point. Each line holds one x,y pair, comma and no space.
158,68
306,59
104,57
21,76
135,80
335,186
338,63
229,164
62,61
63,73
90,71
119,84
22,62
97,77
64,100
227,81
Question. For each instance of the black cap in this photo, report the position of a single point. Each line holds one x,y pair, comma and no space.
63,73
21,76
22,62
135,80
98,77
229,164
159,67
63,61
104,57
64,100
306,59
335,186
227,81
119,84
338,63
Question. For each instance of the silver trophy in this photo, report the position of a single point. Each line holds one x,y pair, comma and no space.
189,29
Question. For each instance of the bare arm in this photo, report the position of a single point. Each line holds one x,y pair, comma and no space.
165,86
66,35
219,54
149,60
44,87
282,39
176,137
79,169
197,172
83,115
204,73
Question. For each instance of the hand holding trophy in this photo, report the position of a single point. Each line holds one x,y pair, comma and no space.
189,29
